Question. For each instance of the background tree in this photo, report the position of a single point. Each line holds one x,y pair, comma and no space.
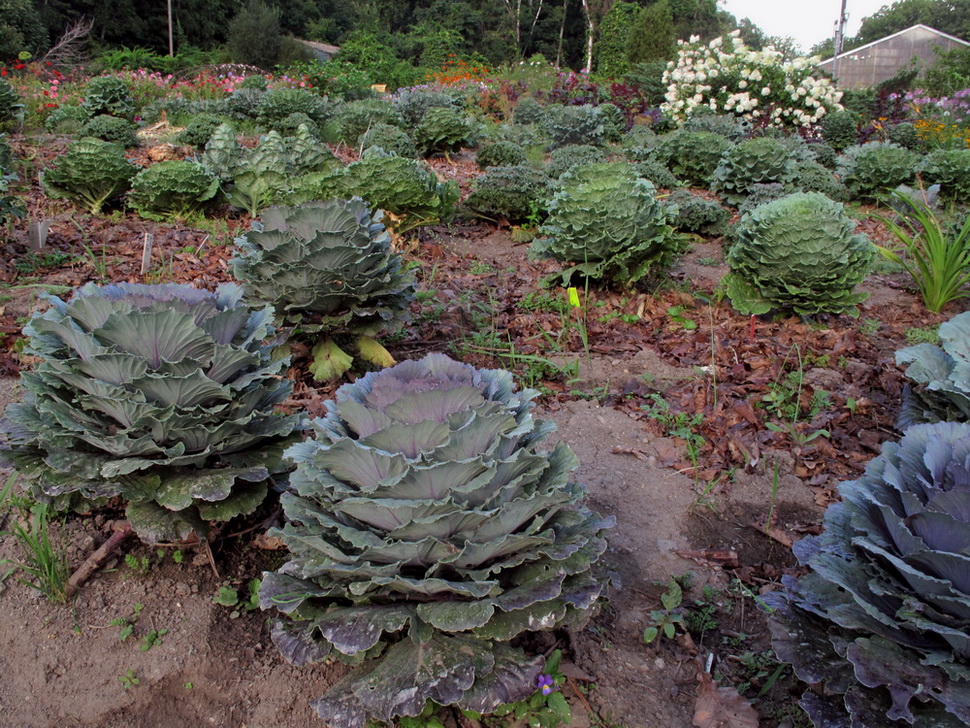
255,37
654,37
610,50
949,16
21,29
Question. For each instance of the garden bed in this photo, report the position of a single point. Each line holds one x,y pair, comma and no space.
665,395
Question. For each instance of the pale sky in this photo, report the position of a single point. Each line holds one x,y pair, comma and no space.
806,22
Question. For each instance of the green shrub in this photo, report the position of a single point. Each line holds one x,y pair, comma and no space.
565,159
499,154
92,172
949,168
869,170
110,129
695,214
254,81
277,104
255,37
607,223
573,125
160,395
470,485
442,129
356,118
840,129
755,161
510,192
692,155
173,188
328,268
66,120
391,139
527,111
800,254
108,95
199,130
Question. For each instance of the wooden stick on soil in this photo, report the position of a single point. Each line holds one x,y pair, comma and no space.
94,562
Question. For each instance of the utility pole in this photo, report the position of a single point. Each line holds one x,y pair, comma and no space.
839,40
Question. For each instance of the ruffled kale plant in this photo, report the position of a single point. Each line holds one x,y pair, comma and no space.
161,395
174,188
939,388
882,620
328,270
798,254
91,173
426,533
762,160
608,225
868,170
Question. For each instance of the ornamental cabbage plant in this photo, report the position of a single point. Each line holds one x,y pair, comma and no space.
799,253
940,377
426,531
607,223
882,620
328,268
92,172
727,77
162,395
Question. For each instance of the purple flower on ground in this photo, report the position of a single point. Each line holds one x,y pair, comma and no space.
545,683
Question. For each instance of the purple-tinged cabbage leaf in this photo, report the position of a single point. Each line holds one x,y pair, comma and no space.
426,531
940,389
882,621
163,395
328,268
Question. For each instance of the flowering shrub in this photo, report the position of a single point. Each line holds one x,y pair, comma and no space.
727,77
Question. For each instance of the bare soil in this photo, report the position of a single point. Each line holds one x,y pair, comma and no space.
723,521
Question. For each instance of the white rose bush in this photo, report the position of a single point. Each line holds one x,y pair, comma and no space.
726,77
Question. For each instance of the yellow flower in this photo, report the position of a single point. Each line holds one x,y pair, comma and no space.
573,297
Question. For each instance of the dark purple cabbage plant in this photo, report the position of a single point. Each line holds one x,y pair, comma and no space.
427,532
881,623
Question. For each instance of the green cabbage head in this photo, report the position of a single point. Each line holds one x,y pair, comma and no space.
798,253
162,395
882,620
426,531
607,223
328,267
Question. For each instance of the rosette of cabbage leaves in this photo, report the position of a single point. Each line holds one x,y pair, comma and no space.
798,253
328,267
882,621
940,377
426,531
161,394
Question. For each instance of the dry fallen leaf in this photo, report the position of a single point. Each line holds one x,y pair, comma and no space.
721,707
